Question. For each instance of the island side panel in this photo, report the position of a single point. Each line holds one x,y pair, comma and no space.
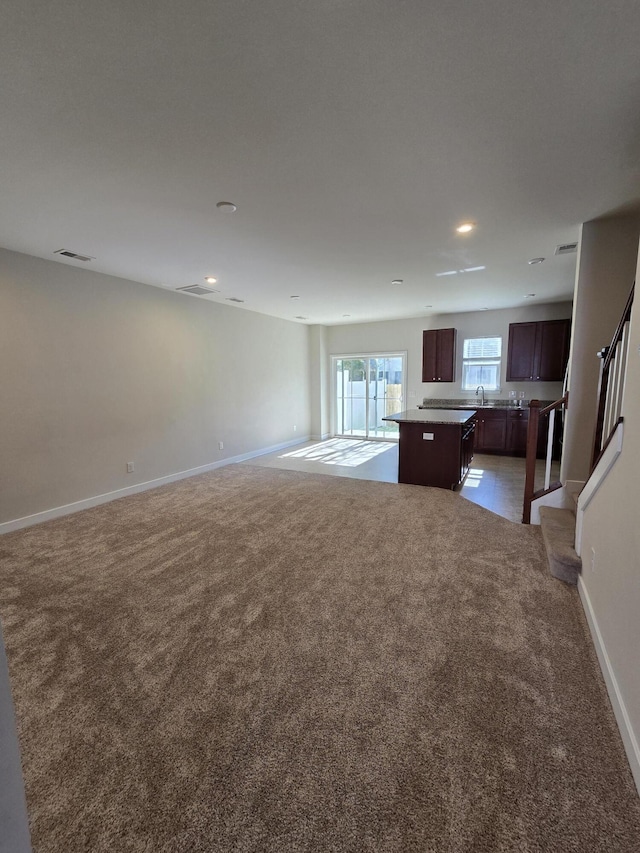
432,461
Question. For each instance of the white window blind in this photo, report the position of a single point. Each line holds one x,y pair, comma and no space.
481,359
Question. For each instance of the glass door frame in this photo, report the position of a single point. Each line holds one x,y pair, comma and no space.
402,354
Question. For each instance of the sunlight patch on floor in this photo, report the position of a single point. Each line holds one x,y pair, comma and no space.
474,478
340,451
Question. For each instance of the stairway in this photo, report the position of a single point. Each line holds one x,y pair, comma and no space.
558,532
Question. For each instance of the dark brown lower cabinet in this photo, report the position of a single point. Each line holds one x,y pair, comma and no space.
517,427
505,431
491,430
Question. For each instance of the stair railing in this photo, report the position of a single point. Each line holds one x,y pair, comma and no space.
610,395
533,432
611,384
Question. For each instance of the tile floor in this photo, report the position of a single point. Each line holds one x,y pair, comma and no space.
494,482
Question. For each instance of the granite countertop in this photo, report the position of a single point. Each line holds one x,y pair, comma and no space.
474,404
431,416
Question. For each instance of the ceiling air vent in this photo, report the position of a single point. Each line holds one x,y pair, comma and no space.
76,257
234,299
566,249
196,290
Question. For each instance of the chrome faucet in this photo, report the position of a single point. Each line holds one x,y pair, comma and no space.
482,399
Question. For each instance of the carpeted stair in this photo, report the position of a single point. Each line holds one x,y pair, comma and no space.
558,532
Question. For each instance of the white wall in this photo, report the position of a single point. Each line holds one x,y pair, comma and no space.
96,371
611,590
399,335
319,364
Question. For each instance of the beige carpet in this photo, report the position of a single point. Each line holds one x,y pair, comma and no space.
262,660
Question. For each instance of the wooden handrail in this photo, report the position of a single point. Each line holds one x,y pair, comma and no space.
607,442
617,335
607,354
563,401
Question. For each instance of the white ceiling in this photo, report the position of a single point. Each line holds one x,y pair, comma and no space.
353,135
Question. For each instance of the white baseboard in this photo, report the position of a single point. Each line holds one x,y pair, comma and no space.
96,500
323,437
629,738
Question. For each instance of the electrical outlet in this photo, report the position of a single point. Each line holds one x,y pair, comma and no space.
593,559
512,395
130,467
521,395
221,445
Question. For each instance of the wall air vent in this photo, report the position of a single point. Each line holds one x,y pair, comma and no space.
566,249
76,257
234,299
197,290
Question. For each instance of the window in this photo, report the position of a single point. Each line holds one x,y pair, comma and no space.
481,363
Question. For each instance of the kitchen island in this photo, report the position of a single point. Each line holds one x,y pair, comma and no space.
436,446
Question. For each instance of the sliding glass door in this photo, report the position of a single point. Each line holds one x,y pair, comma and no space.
367,389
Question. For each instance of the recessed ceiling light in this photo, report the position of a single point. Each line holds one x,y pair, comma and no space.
529,295
455,272
211,279
397,281
227,206
465,227
535,261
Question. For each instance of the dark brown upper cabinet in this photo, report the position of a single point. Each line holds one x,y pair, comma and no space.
439,355
538,352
